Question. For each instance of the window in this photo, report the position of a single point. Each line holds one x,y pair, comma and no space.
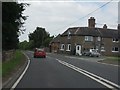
69,35
97,47
115,49
68,47
102,49
98,38
62,47
88,38
115,40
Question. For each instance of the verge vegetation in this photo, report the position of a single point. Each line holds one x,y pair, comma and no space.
13,64
111,60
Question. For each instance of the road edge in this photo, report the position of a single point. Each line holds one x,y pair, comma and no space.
15,77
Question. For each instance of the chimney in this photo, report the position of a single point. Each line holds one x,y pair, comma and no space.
105,26
118,27
118,31
91,22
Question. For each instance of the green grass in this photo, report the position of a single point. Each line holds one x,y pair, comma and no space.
0,69
111,60
114,58
9,66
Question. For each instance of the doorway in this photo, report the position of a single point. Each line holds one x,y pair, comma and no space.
78,50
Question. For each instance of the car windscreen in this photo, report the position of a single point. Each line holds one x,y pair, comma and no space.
40,50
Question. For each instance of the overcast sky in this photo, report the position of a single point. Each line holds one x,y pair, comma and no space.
58,15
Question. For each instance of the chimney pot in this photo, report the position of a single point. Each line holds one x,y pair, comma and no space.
91,22
118,27
119,31
105,26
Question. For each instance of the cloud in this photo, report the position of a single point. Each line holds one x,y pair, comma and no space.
57,16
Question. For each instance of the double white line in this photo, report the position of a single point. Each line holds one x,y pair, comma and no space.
99,79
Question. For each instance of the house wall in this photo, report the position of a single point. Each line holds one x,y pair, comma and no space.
107,43
66,41
75,40
55,47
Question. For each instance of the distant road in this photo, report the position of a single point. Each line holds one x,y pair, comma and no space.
59,71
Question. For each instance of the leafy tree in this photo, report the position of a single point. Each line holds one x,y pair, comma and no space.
40,37
26,45
47,41
12,23
31,42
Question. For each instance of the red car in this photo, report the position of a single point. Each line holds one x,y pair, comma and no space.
39,53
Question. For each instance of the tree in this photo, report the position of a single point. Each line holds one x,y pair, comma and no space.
26,45
47,41
40,37
12,23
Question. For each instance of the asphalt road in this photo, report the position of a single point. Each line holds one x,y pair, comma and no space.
57,71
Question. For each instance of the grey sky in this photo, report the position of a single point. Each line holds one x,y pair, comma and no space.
56,16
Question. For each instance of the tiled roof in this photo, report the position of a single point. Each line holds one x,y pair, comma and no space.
56,39
82,31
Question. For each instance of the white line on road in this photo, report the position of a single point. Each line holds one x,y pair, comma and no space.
16,83
108,64
99,79
87,59
92,60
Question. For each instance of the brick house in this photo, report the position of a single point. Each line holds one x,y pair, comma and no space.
55,44
75,40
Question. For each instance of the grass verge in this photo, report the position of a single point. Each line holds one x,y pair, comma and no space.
13,64
111,60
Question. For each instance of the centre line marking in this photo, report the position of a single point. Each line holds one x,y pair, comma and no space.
99,79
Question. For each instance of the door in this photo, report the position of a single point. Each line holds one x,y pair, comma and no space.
78,50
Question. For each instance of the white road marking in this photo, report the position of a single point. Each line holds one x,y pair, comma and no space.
83,58
93,61
16,83
99,79
108,64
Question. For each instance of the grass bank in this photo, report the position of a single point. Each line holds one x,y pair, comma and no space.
111,60
114,58
13,64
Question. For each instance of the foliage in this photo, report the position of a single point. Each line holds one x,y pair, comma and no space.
26,45
47,41
9,66
12,23
40,37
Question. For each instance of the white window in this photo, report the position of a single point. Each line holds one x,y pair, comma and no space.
88,38
115,40
115,49
69,33
102,49
62,47
97,47
68,47
98,39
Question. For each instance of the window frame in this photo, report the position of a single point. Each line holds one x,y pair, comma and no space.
113,49
69,35
62,47
115,40
98,38
102,49
89,38
68,47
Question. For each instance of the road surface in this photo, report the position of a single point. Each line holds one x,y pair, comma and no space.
59,71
